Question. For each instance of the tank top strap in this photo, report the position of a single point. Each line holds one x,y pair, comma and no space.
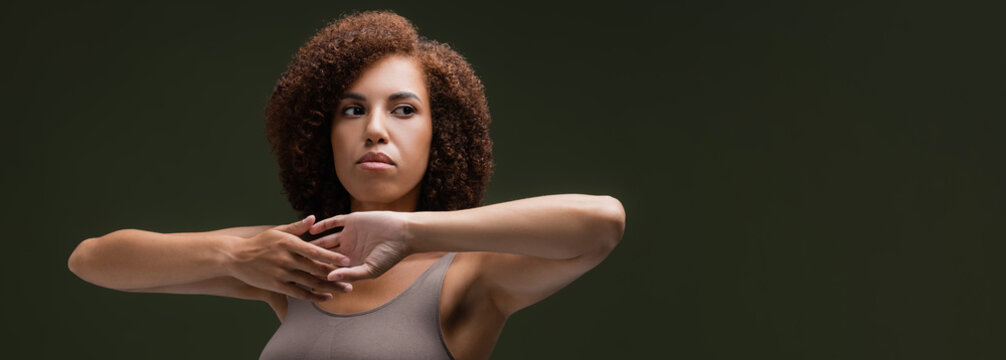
430,284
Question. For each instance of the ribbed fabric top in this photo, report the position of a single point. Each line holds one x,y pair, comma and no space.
405,327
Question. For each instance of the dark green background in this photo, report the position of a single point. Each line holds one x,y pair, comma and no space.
817,181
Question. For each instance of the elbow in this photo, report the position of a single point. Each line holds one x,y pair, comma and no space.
612,215
82,260
79,258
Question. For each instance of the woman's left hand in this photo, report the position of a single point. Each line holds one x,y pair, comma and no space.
374,241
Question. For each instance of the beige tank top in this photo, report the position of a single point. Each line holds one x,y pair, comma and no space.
406,327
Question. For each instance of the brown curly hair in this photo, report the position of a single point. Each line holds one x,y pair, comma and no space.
299,113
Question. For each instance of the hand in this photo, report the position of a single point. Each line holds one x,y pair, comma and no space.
277,259
374,241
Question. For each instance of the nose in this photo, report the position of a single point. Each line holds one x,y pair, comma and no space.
376,132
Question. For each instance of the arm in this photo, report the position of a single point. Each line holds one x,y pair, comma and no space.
526,249
227,286
215,262
556,227
132,259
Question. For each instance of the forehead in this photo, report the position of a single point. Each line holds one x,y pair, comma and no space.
389,75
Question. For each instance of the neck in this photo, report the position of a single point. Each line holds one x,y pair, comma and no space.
407,203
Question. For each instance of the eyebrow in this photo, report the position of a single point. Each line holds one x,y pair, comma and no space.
395,96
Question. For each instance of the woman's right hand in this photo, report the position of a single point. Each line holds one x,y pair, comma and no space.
278,260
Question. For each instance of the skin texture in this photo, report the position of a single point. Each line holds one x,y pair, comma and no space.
306,100
372,121
510,255
395,223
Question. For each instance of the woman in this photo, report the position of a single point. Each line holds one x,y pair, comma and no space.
383,134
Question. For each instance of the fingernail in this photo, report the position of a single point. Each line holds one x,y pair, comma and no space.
344,262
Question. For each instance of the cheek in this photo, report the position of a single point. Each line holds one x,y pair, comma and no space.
416,151
423,143
339,150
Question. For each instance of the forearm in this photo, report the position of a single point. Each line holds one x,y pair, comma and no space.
553,226
136,259
226,286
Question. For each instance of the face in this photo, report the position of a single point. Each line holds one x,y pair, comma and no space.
385,111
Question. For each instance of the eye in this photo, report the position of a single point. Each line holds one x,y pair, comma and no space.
406,110
346,110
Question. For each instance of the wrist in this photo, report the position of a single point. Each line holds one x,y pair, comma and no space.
223,249
415,223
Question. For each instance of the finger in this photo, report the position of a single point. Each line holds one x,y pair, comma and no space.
347,287
328,241
318,269
298,227
347,274
316,252
314,283
326,268
303,294
343,286
335,221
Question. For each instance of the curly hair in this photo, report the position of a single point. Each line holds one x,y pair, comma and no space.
299,113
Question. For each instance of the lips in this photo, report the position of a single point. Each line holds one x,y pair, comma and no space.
376,156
